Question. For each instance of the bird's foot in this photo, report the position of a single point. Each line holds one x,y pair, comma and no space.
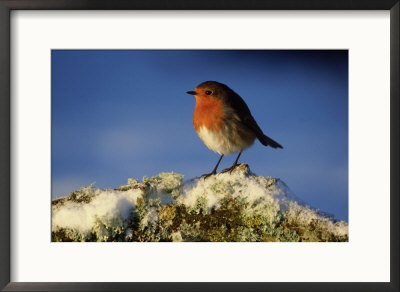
208,174
230,169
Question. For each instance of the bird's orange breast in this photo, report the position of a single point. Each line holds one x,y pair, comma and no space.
208,113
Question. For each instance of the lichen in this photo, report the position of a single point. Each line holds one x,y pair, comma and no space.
227,207
168,182
110,229
84,195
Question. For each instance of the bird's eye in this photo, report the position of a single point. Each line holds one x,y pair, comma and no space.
208,92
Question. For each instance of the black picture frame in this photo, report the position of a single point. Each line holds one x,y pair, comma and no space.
7,6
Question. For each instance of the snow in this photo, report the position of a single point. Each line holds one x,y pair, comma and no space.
253,189
108,213
106,204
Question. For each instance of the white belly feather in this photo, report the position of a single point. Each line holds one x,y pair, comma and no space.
220,143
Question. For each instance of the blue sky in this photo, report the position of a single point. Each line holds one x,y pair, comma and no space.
125,113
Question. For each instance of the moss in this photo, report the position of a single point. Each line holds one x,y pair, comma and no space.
133,184
68,235
200,206
221,187
58,202
144,229
177,222
60,235
167,213
233,218
83,195
109,229
168,182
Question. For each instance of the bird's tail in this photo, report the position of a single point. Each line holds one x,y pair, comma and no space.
267,141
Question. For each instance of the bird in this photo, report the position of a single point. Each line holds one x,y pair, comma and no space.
224,123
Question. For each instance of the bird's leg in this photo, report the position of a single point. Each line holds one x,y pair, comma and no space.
214,170
233,166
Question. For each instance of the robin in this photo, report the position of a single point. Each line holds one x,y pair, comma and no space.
224,123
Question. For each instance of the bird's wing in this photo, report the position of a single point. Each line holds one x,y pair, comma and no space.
265,140
244,114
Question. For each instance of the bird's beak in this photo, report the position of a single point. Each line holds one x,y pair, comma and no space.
191,92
